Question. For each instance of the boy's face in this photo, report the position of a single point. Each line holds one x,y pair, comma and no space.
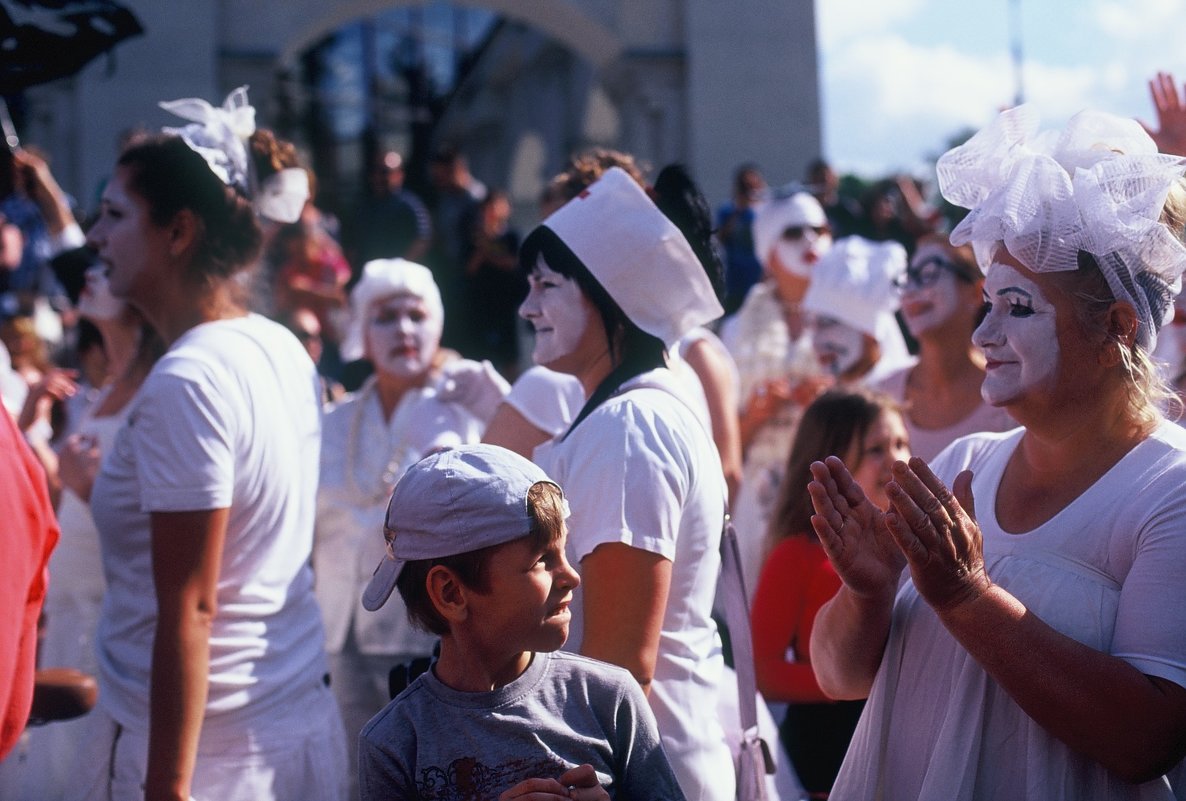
526,607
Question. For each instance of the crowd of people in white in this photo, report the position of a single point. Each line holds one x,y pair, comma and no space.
950,457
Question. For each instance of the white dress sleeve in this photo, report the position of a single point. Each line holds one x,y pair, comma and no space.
631,477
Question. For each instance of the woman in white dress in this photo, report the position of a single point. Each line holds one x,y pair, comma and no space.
613,283
1035,647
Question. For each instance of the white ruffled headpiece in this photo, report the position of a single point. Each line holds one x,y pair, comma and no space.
1097,186
220,135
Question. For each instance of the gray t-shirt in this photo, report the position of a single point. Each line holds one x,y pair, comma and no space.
438,744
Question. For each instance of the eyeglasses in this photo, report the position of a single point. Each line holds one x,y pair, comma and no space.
925,273
793,233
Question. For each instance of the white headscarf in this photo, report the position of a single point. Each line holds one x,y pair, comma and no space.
1097,186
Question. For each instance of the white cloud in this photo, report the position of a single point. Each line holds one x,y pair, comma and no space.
889,101
840,20
1140,20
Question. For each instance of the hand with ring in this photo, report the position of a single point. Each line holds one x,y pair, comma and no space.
937,532
579,783
852,531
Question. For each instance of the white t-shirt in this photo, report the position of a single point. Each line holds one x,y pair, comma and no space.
642,470
548,400
229,417
362,456
1106,571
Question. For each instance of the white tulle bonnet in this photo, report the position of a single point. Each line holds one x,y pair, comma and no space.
220,136
1097,186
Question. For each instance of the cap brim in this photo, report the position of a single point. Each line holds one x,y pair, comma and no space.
379,588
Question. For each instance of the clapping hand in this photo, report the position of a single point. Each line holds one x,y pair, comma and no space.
937,532
853,532
579,783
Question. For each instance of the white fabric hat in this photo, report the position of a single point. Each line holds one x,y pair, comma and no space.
778,214
854,283
1097,186
380,278
638,256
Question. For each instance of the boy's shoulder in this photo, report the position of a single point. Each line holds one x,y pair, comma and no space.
413,697
570,664
572,678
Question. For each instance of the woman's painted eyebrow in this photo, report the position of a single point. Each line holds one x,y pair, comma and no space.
1015,289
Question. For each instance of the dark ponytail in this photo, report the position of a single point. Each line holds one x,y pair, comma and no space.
682,202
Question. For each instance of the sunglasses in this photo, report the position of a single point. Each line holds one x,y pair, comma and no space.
926,272
793,233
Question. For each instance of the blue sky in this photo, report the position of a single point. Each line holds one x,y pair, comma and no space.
898,77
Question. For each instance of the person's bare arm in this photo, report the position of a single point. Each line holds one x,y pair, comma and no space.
186,558
625,591
1098,704
508,428
721,395
43,188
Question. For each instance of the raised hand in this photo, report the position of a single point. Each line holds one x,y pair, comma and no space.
937,532
1170,134
852,530
56,385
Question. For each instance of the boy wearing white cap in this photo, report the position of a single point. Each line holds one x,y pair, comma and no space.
476,541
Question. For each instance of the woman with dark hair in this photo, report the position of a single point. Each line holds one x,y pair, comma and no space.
797,579
613,283
211,650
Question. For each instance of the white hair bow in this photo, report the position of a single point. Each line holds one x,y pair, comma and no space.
219,135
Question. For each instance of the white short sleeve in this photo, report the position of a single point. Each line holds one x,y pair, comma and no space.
630,481
183,440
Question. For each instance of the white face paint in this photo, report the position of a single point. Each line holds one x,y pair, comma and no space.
560,314
798,255
402,335
1018,336
838,345
931,294
96,301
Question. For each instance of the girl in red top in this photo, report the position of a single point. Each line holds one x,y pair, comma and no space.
797,578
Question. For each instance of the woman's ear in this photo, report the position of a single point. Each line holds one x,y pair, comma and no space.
184,230
447,593
1122,324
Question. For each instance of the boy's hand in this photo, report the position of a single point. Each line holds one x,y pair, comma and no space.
578,783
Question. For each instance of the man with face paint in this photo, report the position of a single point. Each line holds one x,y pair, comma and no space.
412,406
941,304
1036,648
852,302
769,341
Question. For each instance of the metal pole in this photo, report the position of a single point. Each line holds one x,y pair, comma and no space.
1015,50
